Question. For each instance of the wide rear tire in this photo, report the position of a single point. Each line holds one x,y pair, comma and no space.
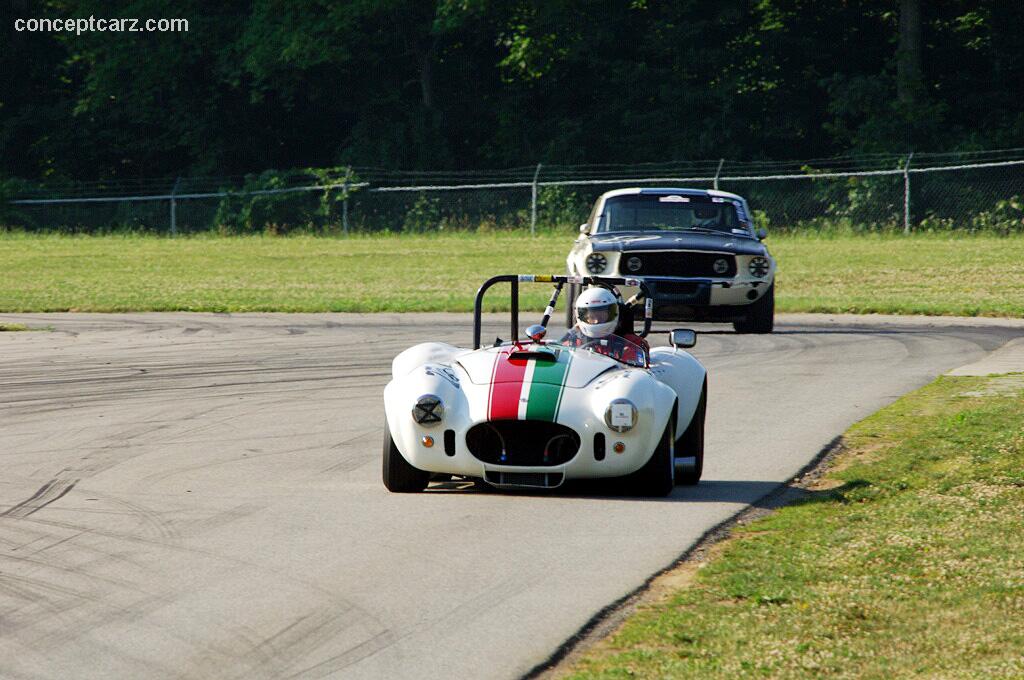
657,477
691,445
760,316
399,475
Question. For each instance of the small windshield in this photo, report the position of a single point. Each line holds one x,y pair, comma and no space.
644,212
613,346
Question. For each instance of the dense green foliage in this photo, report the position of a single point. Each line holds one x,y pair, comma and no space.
486,83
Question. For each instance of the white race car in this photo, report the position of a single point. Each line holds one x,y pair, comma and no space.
534,413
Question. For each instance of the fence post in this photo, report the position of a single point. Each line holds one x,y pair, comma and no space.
344,201
721,162
174,208
533,203
906,194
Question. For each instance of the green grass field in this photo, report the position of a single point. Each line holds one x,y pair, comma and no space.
908,561
969,275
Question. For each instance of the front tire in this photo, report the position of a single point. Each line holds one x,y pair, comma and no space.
760,317
657,477
399,475
691,445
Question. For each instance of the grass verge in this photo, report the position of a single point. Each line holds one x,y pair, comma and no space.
923,274
10,327
907,559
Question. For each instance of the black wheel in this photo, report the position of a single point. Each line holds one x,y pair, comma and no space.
657,476
760,316
572,291
399,476
689,458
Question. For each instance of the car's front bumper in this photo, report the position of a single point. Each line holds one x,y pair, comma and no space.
588,463
703,299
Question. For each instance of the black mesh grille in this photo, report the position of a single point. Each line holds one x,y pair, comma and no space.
545,480
677,287
685,263
522,442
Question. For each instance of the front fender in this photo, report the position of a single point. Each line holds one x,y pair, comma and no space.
653,401
681,372
400,397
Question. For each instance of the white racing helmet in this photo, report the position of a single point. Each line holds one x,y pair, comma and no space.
597,312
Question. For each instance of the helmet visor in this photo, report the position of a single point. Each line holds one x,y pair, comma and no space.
598,313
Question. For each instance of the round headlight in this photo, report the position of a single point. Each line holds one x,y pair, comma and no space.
620,415
759,267
721,265
634,264
428,410
596,263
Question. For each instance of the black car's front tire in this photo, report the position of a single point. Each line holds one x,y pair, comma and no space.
760,316
399,475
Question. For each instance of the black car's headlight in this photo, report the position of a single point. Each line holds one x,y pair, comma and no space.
429,410
596,263
759,267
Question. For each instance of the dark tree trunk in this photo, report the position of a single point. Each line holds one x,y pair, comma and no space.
427,76
908,56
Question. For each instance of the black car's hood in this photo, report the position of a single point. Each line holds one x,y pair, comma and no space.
640,240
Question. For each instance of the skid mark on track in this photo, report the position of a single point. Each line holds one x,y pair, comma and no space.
297,641
221,518
163,530
52,491
351,461
349,657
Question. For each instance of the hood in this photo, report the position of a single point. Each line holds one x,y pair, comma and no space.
552,365
530,385
637,240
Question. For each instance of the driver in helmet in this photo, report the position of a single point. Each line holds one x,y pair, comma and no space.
706,217
597,317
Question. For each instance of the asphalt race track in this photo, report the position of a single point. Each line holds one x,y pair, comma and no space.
199,496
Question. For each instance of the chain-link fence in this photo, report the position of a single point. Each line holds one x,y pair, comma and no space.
963,191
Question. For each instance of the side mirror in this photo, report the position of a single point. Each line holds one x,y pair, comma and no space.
536,332
761,234
682,338
584,227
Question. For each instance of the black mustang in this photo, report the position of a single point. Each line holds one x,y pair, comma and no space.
697,250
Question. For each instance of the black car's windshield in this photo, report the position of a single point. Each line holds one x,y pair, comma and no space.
649,212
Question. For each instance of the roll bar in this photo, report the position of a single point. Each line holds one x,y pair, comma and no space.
559,281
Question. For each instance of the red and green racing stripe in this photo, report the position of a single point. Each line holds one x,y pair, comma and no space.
528,388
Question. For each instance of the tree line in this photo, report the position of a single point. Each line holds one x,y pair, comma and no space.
464,84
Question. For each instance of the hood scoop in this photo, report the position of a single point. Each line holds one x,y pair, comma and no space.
550,364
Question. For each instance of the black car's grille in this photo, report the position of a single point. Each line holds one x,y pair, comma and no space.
522,442
685,263
678,287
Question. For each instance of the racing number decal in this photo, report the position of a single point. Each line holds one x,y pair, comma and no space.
527,389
